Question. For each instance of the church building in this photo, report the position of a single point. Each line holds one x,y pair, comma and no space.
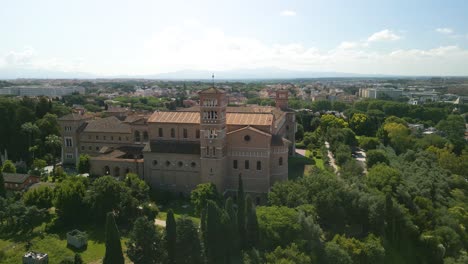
177,150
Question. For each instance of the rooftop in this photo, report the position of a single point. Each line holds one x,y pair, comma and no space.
15,177
259,119
109,124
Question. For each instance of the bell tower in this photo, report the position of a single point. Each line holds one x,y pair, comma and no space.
281,100
213,105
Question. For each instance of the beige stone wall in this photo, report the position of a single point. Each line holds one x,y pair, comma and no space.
279,172
68,129
176,172
91,143
153,130
117,167
254,149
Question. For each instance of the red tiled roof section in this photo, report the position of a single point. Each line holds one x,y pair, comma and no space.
259,119
175,117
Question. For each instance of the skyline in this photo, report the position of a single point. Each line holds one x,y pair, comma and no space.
112,38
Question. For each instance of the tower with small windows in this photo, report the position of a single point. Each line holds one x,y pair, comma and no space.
213,103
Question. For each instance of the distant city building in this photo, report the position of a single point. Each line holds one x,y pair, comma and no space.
36,90
376,93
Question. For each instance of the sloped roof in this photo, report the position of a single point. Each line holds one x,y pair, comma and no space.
211,91
15,177
259,119
172,146
109,124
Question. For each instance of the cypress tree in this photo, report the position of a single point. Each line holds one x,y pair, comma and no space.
232,236
2,185
252,236
114,253
215,247
188,245
203,228
171,236
241,213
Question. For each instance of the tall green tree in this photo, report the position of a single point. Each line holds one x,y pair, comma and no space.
113,253
69,201
201,194
215,242
83,164
54,142
241,213
232,235
171,234
146,244
188,246
8,167
251,224
2,185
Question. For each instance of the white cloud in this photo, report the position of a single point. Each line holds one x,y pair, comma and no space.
193,46
384,35
28,58
288,13
447,31
19,58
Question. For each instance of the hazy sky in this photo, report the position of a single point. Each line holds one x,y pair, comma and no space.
151,36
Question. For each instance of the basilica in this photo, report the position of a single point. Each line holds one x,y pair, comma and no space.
177,150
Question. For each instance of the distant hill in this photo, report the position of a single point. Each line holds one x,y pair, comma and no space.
240,74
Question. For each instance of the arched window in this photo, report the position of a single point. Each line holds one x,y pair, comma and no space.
137,136
145,136
185,133
259,165
172,132
197,133
247,165
280,161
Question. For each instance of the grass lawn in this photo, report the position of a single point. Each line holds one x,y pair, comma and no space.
179,207
55,245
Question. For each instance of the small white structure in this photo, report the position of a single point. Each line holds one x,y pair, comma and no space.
77,239
35,258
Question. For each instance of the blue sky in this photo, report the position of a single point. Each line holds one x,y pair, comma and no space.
146,37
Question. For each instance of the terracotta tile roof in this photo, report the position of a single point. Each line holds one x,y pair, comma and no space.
109,124
175,117
211,91
15,177
259,119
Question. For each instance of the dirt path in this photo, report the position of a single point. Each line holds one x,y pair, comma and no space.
332,159
160,222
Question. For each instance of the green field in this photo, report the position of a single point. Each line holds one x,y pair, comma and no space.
54,244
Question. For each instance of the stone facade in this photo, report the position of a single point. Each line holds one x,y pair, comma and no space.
178,150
